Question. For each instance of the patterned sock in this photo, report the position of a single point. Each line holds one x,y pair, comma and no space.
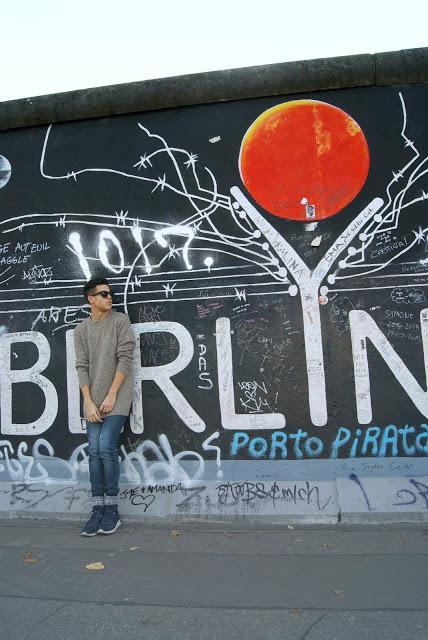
109,501
97,501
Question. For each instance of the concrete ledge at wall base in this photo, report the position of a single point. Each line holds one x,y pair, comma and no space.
349,499
382,499
389,68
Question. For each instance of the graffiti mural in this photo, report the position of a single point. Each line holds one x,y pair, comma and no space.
272,255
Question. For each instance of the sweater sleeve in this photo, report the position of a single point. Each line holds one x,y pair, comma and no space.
125,345
82,361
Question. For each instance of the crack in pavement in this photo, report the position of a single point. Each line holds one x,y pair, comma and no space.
305,635
61,606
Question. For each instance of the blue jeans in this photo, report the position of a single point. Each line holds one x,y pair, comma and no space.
103,438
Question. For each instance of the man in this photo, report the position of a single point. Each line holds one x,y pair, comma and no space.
104,345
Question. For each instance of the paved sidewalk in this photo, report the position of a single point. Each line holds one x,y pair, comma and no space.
208,580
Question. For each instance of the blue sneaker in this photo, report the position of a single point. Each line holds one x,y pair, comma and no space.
110,521
92,526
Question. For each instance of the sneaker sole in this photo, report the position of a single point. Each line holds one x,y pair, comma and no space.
112,530
88,535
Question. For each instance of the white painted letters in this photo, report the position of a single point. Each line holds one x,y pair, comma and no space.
229,418
362,327
9,376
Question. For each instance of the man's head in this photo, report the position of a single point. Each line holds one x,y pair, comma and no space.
98,293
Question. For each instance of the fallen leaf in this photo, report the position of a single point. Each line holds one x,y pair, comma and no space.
290,526
95,566
133,548
403,541
339,594
174,533
295,612
29,558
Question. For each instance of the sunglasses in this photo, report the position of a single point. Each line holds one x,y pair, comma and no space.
104,294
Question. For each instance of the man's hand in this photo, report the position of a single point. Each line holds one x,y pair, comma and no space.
108,403
90,411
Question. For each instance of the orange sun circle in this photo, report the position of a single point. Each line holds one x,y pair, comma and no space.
304,160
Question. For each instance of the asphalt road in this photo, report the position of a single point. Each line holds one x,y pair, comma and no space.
209,580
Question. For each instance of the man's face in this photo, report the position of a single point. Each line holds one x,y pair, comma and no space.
99,300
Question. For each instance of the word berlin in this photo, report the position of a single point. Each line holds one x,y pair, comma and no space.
362,328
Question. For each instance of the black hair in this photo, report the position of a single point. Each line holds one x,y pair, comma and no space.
91,285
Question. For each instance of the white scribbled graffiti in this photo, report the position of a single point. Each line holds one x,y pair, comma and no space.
42,466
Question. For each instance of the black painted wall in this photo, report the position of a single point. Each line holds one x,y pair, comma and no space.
86,178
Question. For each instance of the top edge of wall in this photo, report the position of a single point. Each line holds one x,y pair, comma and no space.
408,66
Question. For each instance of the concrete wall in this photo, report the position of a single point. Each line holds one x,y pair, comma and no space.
265,230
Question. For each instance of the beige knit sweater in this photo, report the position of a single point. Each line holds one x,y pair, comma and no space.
103,347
